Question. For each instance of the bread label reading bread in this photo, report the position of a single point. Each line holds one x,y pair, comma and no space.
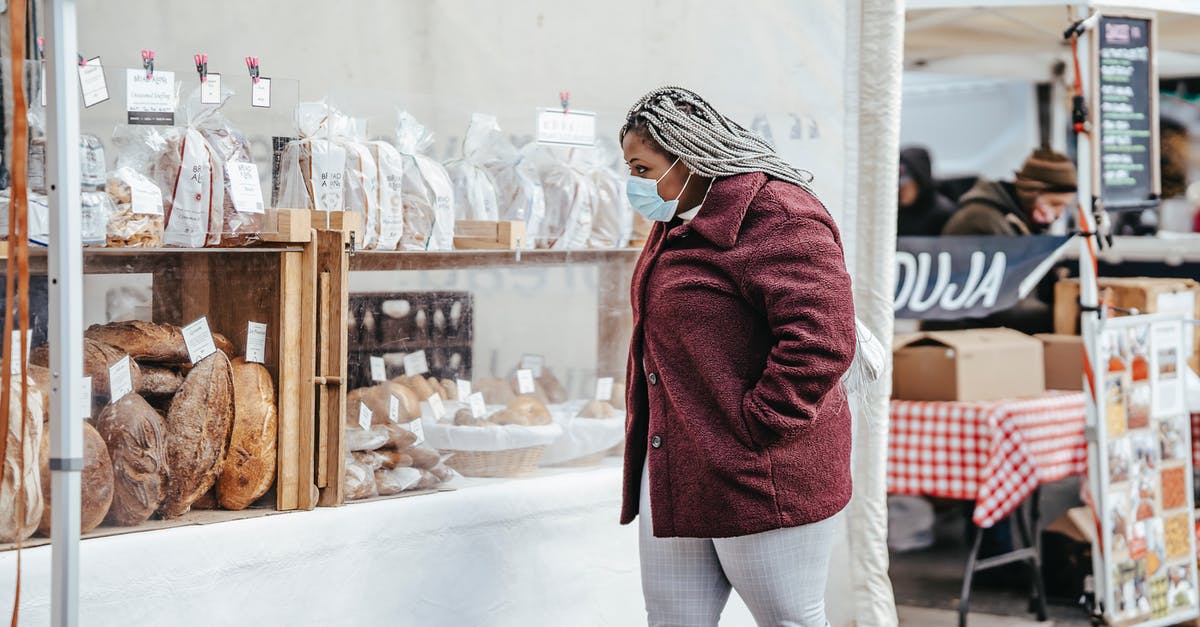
418,430
478,408
199,340
393,408
415,364
85,397
364,416
463,388
256,342
244,186
533,363
604,387
120,380
439,408
525,381
378,369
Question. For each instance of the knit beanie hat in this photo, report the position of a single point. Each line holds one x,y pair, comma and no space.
1047,171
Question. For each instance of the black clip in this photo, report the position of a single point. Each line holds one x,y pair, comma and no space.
202,66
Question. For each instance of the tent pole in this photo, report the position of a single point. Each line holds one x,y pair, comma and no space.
66,308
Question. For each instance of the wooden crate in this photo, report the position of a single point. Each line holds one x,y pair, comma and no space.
333,291
489,235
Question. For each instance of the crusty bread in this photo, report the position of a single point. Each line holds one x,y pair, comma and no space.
224,345
249,468
98,357
159,381
198,429
464,418
136,438
96,492
410,405
597,409
21,509
423,457
144,341
524,410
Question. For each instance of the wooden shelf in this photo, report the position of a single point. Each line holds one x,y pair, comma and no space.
145,260
366,260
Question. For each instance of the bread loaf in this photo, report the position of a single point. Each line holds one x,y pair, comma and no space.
359,481
525,411
208,500
399,437
224,345
410,405
198,430
450,391
136,438
597,409
96,491
394,458
159,381
552,387
464,418
423,458
21,462
420,386
98,357
249,468
396,480
144,341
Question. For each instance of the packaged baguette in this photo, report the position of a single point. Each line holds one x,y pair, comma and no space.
612,223
474,192
428,192
313,168
570,196
389,165
361,177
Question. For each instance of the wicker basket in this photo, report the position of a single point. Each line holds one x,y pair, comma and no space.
511,463
579,462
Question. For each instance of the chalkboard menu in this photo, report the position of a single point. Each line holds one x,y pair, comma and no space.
1127,129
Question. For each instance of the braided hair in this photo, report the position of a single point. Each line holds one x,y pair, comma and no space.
684,125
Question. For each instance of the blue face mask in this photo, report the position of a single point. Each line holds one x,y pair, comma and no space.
643,195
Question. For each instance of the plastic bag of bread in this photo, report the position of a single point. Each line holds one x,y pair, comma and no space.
390,174
359,481
474,192
519,192
428,191
570,197
137,217
396,480
361,178
194,195
241,218
612,223
312,169
94,209
21,489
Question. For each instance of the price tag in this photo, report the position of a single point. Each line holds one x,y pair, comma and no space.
210,89
574,128
120,380
478,408
146,197
463,388
244,187
604,389
364,416
378,370
150,99
525,381
85,393
256,342
438,407
418,430
415,364
92,85
198,339
260,93
393,408
533,363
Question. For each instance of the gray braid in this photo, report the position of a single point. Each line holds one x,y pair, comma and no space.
708,143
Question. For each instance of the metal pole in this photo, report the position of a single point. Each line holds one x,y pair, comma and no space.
66,308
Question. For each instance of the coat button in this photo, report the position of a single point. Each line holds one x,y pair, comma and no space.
656,441
653,378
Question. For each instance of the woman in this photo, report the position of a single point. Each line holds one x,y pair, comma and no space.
738,449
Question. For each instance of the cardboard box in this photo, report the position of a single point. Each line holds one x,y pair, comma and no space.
1063,359
973,365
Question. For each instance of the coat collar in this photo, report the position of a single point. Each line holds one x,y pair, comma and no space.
720,220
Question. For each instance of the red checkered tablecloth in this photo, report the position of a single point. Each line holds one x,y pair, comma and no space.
995,453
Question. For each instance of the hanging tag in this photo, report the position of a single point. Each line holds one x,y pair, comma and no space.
567,128
256,342
85,396
393,408
604,389
463,387
364,416
92,86
199,340
478,408
210,89
260,93
525,382
146,198
533,363
150,99
378,369
120,380
418,430
439,408
415,364
244,186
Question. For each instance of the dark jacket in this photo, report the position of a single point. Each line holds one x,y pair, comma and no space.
990,208
743,326
931,210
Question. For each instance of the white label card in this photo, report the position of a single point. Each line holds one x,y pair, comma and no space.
418,430
604,389
393,408
199,340
92,86
210,89
120,380
245,187
415,364
145,196
260,93
533,363
438,407
378,369
463,387
85,396
150,99
256,342
364,416
478,407
573,128
525,381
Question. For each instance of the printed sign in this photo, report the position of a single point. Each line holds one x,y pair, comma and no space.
572,128
150,99
1126,136
93,88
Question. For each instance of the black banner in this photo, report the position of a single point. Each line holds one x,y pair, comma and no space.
949,278
1128,128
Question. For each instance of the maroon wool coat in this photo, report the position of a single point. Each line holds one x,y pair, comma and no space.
743,325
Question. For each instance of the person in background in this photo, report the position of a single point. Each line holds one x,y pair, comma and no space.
1044,188
923,209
